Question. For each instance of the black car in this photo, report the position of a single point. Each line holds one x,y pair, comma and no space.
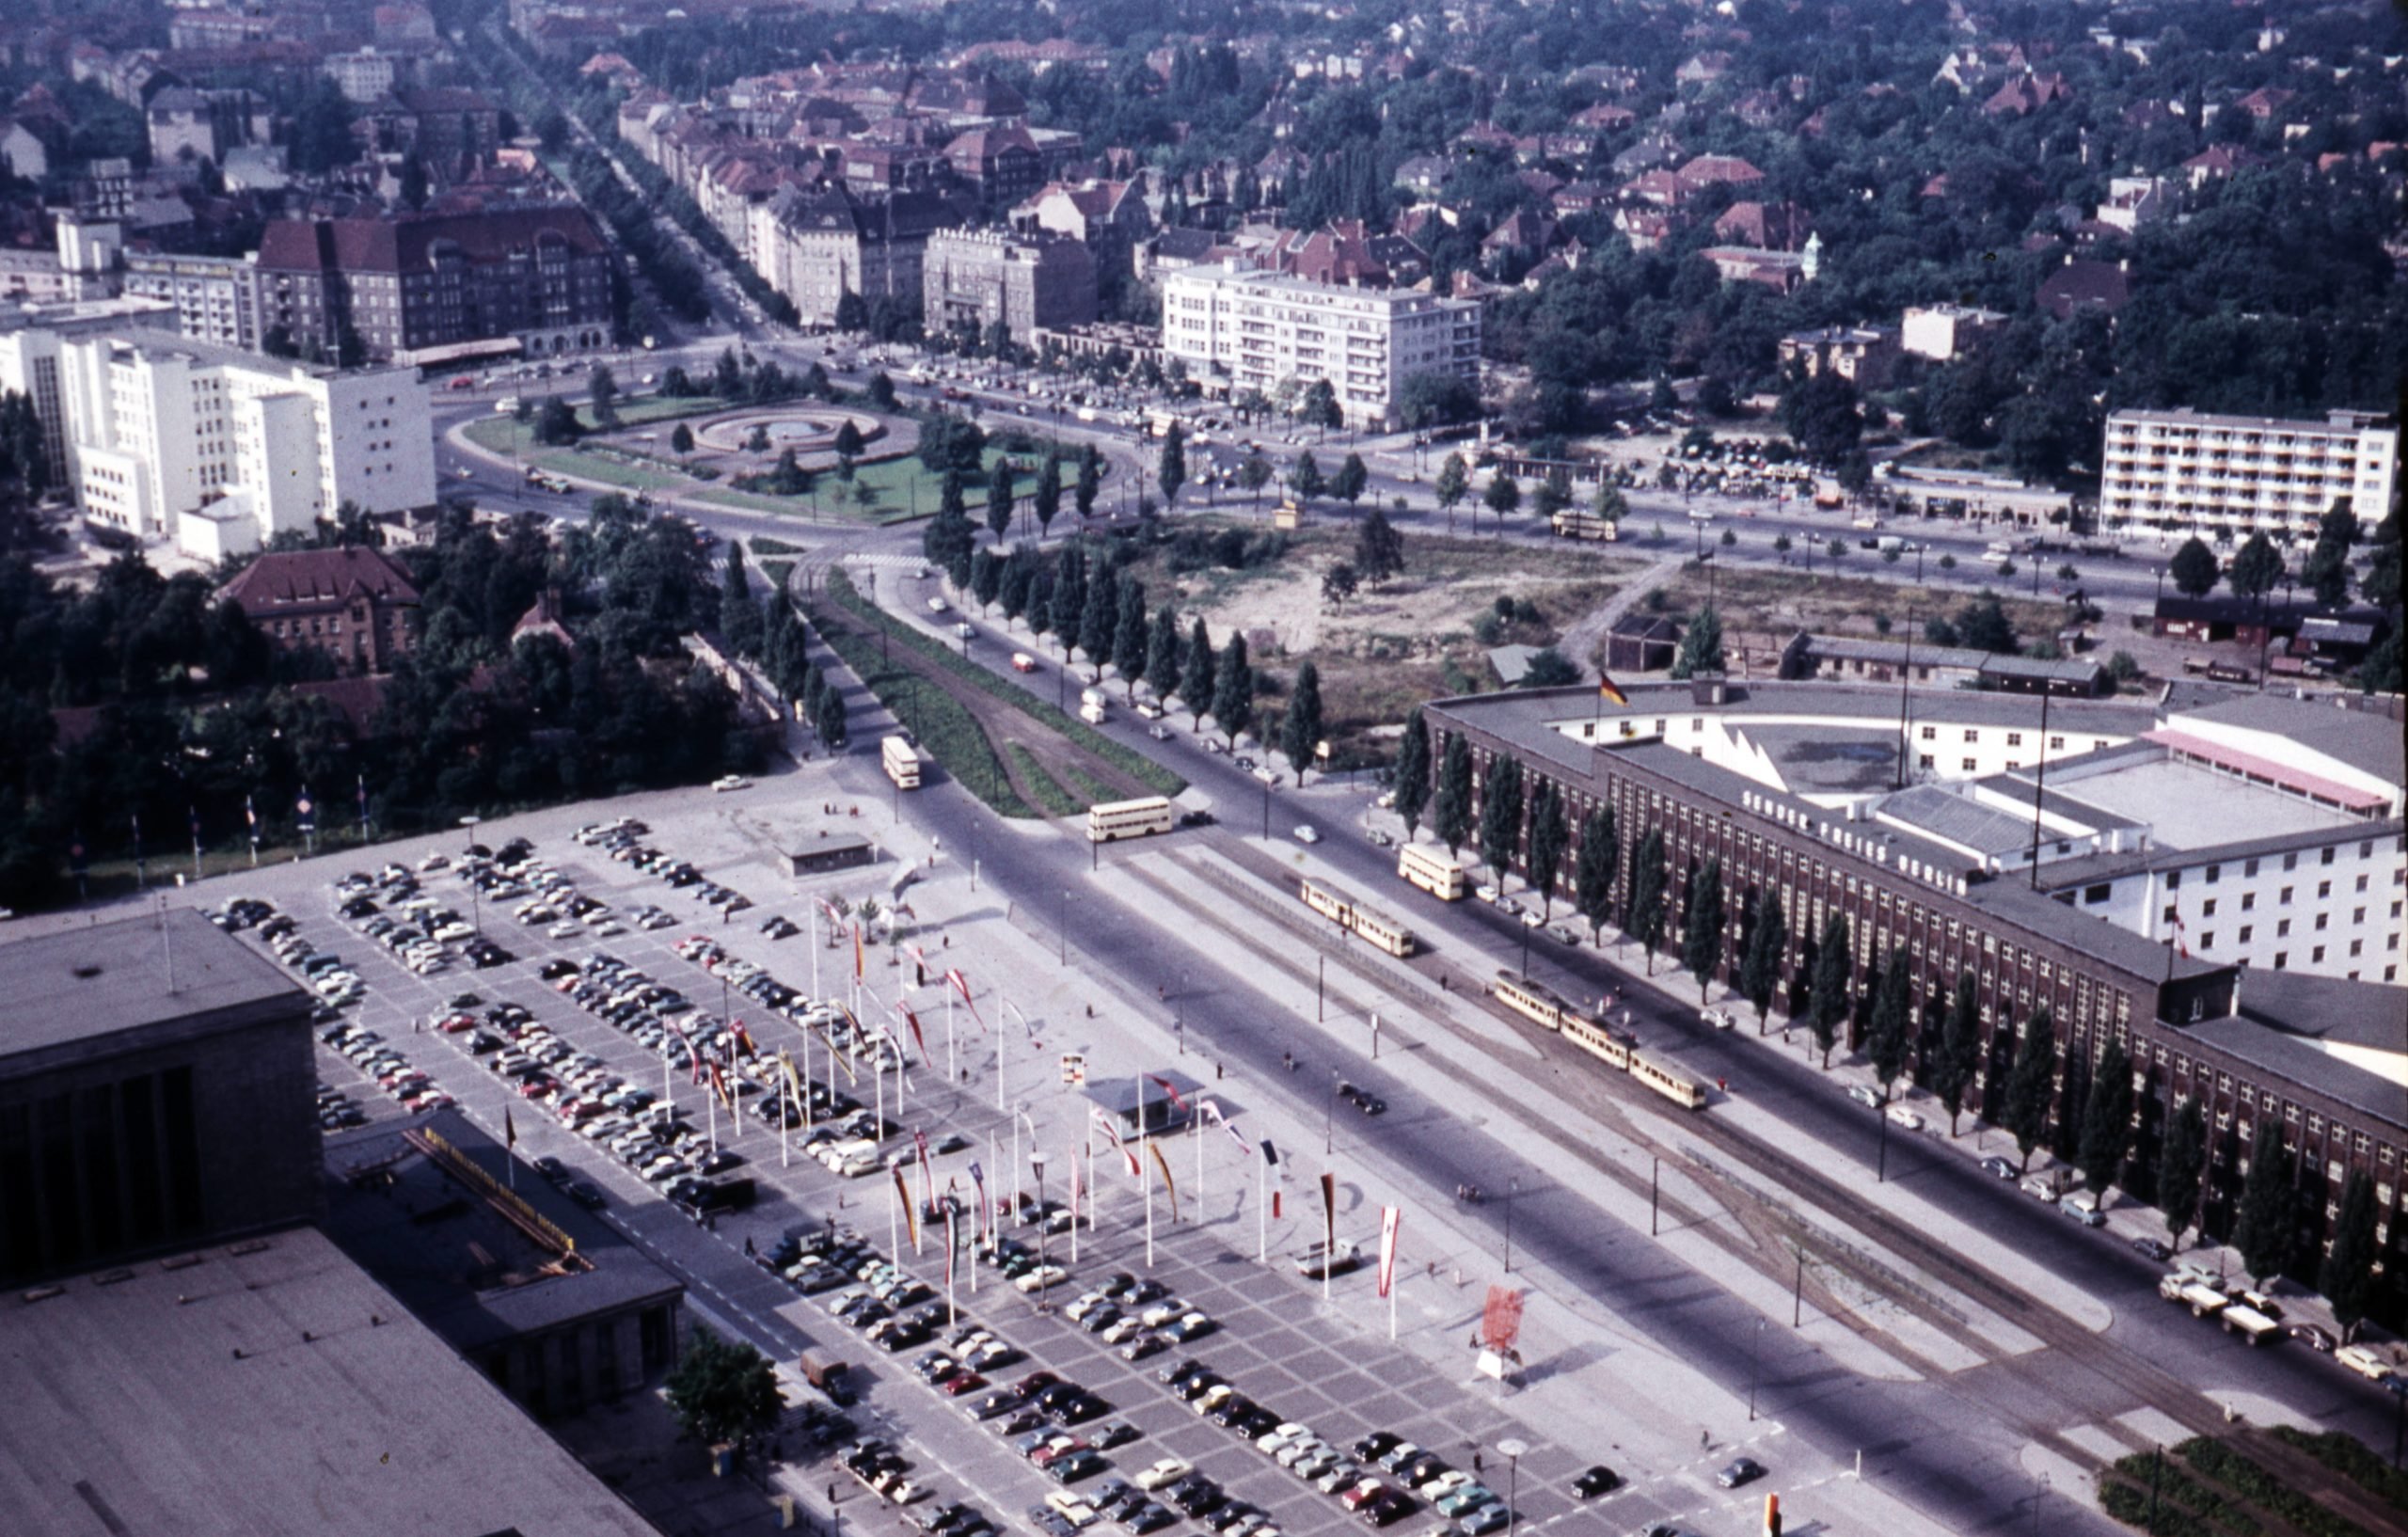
2149,1248
1599,1480
586,1196
552,1169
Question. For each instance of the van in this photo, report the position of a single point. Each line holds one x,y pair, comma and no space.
1093,715
1094,696
2047,1185
2082,1207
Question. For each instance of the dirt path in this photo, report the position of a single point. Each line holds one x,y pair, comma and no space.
1587,637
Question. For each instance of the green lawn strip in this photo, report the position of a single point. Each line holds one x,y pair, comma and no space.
2184,1505
1058,801
1087,786
947,732
1153,775
763,544
2350,1458
2220,1462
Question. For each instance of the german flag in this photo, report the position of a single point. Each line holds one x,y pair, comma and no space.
1607,689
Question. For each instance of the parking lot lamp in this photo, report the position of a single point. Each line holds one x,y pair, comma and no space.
1513,1447
1036,1162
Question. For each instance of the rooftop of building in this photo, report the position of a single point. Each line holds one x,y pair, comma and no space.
283,578
1319,293
408,244
469,1261
2187,807
169,970
261,1389
2371,744
2317,1032
1958,819
2337,421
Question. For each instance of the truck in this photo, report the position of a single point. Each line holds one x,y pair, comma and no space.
1571,523
2203,1300
1318,1260
723,1195
901,761
2252,1326
1094,696
1890,541
832,1376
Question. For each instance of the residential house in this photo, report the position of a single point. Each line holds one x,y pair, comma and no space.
2085,284
355,604
1865,355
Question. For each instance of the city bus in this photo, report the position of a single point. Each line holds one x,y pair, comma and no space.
901,762
1115,820
1372,926
1433,869
1539,1003
1571,523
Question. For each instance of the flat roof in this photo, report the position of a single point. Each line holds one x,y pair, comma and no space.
2365,741
268,1388
450,1254
172,968
1826,760
2190,807
1957,819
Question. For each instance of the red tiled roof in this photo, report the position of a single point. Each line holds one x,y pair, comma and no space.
318,576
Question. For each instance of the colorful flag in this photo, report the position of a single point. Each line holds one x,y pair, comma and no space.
952,1250
1171,1088
1329,1210
927,1175
1391,1217
911,1212
913,1021
857,952
1270,1154
2181,941
960,984
978,1181
919,963
1110,1125
1606,688
742,1040
1168,1189
1210,1111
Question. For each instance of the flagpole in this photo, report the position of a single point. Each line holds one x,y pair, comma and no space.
1392,1304
1262,1213
1002,1040
1196,1129
893,1242
710,1102
952,1063
785,1112
1147,1180
950,1248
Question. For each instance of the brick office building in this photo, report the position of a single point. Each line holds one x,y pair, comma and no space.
356,605
1807,805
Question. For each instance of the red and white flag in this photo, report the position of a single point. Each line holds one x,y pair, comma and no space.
913,1021
1112,1128
1210,1111
1171,1088
1391,1218
927,1175
2181,940
919,963
743,1040
960,984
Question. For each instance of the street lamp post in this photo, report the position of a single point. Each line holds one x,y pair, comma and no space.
1513,1447
1755,1366
1036,1162
1512,1188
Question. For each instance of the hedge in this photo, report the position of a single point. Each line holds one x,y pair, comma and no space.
2350,1457
1058,801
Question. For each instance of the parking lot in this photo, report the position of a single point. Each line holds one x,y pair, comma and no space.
1273,1340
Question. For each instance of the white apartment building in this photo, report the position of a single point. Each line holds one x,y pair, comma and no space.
219,449
2226,478
1240,330
216,297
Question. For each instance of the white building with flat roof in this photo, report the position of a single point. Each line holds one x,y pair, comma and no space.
2226,478
218,449
1243,329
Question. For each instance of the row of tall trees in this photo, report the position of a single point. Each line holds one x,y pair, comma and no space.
2096,1117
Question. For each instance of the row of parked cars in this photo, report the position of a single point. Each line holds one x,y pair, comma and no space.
412,1089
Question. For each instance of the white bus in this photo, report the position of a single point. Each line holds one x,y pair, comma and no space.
902,763
1433,869
1115,820
1572,523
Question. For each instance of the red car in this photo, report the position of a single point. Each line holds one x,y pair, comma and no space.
455,1023
535,1089
963,1382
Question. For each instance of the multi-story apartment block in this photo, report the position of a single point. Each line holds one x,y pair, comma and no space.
2229,477
29,342
215,297
821,245
983,277
410,287
1108,218
1240,330
1945,331
221,449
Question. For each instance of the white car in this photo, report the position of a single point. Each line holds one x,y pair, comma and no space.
1305,833
731,782
1168,1470
1906,1117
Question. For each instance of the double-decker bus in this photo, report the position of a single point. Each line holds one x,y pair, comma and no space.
1433,869
1372,925
901,762
1539,1003
1115,820
1572,523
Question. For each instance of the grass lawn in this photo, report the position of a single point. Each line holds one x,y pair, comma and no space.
841,590
1058,801
947,733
